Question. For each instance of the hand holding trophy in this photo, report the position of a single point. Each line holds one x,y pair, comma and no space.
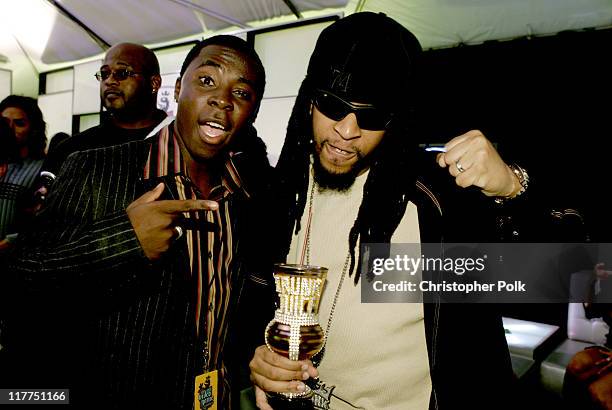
295,331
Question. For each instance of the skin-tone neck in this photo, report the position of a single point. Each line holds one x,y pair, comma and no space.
205,174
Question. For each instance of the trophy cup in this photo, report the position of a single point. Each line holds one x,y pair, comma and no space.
295,331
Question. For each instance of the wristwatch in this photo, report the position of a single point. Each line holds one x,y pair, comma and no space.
523,178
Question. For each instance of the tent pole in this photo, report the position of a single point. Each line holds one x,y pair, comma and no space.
209,12
293,9
99,40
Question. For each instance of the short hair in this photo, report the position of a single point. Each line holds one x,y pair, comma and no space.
235,43
150,64
37,139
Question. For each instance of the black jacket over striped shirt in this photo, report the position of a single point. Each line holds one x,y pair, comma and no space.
91,312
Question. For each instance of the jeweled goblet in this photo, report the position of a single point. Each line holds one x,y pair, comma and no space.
295,331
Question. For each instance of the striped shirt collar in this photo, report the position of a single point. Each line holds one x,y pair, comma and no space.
210,249
165,160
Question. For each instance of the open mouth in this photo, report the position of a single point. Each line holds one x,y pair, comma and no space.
339,152
214,129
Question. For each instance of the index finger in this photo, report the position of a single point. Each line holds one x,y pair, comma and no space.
450,156
173,206
471,134
456,148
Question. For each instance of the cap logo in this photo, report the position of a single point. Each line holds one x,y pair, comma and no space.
340,80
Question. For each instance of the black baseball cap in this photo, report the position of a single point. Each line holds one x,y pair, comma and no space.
367,58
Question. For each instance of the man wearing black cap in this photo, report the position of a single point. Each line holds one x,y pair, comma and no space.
350,173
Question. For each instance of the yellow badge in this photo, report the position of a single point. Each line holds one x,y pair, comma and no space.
206,391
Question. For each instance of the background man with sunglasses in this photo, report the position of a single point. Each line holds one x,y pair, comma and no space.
129,81
351,172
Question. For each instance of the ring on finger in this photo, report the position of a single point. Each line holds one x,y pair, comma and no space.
459,167
179,231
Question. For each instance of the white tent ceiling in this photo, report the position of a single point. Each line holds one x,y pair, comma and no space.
48,34
57,31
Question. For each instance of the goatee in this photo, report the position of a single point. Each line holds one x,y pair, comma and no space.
329,180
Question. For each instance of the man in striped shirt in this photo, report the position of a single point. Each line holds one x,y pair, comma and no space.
139,245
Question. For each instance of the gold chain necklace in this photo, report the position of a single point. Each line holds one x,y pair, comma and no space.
319,356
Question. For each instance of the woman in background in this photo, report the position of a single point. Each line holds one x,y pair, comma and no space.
27,142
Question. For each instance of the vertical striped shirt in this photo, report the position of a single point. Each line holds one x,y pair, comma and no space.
208,239
18,178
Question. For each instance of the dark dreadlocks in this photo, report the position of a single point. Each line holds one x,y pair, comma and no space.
391,181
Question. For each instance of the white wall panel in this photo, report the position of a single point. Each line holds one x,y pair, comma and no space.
272,122
285,54
5,83
171,59
59,81
88,121
86,88
57,112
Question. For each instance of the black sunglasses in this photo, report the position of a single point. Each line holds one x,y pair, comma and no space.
119,74
368,116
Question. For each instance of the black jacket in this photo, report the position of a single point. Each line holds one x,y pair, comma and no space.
93,313
468,355
105,134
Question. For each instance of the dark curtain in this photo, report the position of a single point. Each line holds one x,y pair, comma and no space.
545,101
